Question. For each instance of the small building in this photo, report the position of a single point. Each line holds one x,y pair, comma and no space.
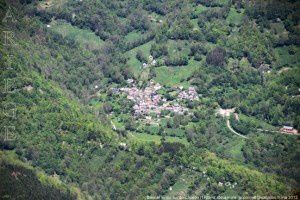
130,81
123,146
153,63
145,65
28,87
150,58
263,68
289,130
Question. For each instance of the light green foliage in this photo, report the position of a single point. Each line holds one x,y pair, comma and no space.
66,81
141,138
134,63
19,177
85,38
287,56
132,36
175,76
235,17
200,8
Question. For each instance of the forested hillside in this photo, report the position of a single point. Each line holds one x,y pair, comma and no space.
21,181
134,99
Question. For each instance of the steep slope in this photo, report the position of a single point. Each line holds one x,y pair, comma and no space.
48,78
21,181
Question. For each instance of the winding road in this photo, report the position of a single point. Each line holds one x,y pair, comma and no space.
232,130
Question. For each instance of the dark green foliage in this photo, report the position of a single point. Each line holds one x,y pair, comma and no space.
243,126
216,57
179,61
66,104
21,183
141,57
158,50
139,41
273,153
198,49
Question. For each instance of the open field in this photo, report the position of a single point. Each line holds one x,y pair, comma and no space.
143,137
175,76
84,37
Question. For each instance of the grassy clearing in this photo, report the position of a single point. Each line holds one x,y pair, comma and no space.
222,2
261,123
234,17
178,47
119,125
195,23
144,138
47,4
134,64
200,8
175,76
86,38
278,27
182,184
132,36
236,150
286,59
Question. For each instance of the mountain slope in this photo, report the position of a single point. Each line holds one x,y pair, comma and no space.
59,102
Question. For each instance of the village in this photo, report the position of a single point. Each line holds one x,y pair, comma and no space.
148,100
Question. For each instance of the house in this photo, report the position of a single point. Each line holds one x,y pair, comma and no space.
123,146
28,87
153,63
289,130
145,65
130,81
150,58
190,94
114,90
263,68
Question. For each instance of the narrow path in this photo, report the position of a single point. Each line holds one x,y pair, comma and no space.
262,130
231,129
113,125
265,130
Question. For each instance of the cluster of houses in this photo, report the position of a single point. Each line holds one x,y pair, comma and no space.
149,101
151,62
227,184
190,94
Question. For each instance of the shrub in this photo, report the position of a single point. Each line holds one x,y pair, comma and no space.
216,57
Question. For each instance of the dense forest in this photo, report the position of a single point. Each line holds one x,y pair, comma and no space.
125,99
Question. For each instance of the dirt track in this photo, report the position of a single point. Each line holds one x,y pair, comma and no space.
231,129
